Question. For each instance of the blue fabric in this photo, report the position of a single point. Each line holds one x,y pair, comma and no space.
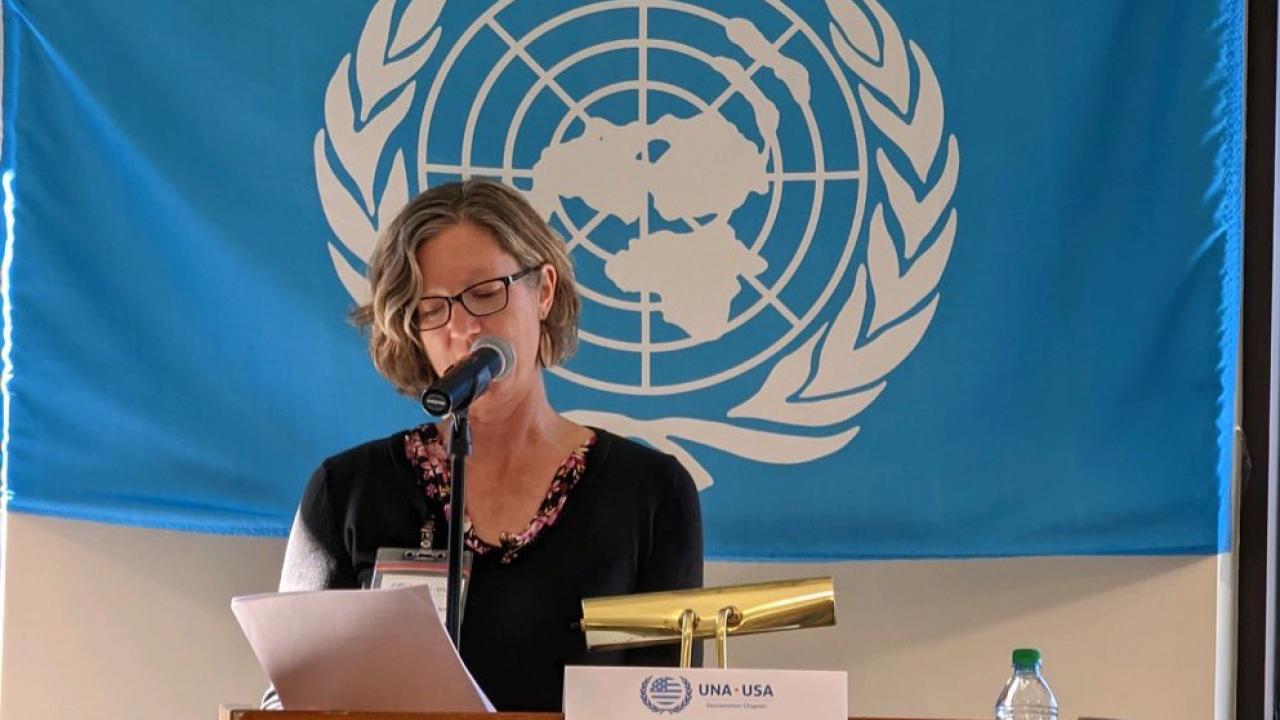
1064,384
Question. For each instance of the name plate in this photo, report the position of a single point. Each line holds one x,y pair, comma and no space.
635,693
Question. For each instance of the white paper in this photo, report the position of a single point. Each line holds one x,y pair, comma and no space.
637,693
358,650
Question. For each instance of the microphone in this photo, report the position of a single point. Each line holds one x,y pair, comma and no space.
491,358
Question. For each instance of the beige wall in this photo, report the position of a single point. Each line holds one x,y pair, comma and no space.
1126,638
99,619
108,622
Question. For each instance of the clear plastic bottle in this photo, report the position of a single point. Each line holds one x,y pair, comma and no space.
1026,696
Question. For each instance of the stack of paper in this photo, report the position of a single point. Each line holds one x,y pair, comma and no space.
358,650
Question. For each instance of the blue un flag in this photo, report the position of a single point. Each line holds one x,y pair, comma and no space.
891,278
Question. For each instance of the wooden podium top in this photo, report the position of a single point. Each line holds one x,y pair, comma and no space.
234,713
243,713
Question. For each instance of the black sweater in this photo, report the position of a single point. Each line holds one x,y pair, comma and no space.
632,524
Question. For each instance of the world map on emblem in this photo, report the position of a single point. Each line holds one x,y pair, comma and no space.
676,149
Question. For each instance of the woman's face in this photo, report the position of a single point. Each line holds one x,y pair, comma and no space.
458,258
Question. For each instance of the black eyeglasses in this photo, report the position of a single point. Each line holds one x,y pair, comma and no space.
484,298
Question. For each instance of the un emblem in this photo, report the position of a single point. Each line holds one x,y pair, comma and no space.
754,208
665,694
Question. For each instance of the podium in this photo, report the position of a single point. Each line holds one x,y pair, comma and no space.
245,713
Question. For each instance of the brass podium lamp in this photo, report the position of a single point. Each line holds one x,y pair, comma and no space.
686,615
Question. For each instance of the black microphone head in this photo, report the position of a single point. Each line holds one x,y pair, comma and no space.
504,350
434,403
490,358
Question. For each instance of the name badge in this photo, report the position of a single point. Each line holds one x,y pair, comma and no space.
403,567
633,693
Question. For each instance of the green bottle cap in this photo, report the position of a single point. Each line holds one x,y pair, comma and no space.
1026,657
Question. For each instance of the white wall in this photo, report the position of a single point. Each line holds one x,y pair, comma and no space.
99,618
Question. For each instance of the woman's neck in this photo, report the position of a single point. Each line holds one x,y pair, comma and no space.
501,440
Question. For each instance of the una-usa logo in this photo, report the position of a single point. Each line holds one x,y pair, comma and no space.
739,193
665,694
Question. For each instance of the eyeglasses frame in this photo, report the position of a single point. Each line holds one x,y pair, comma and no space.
507,282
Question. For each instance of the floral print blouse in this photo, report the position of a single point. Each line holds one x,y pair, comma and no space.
427,452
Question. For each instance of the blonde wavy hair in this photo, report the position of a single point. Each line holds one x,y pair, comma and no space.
395,281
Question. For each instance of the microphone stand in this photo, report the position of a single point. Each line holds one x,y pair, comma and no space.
459,449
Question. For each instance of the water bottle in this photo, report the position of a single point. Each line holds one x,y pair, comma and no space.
1026,696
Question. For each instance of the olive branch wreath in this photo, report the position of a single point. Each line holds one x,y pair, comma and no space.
833,375
384,66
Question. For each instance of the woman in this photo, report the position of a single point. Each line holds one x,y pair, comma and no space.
556,512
